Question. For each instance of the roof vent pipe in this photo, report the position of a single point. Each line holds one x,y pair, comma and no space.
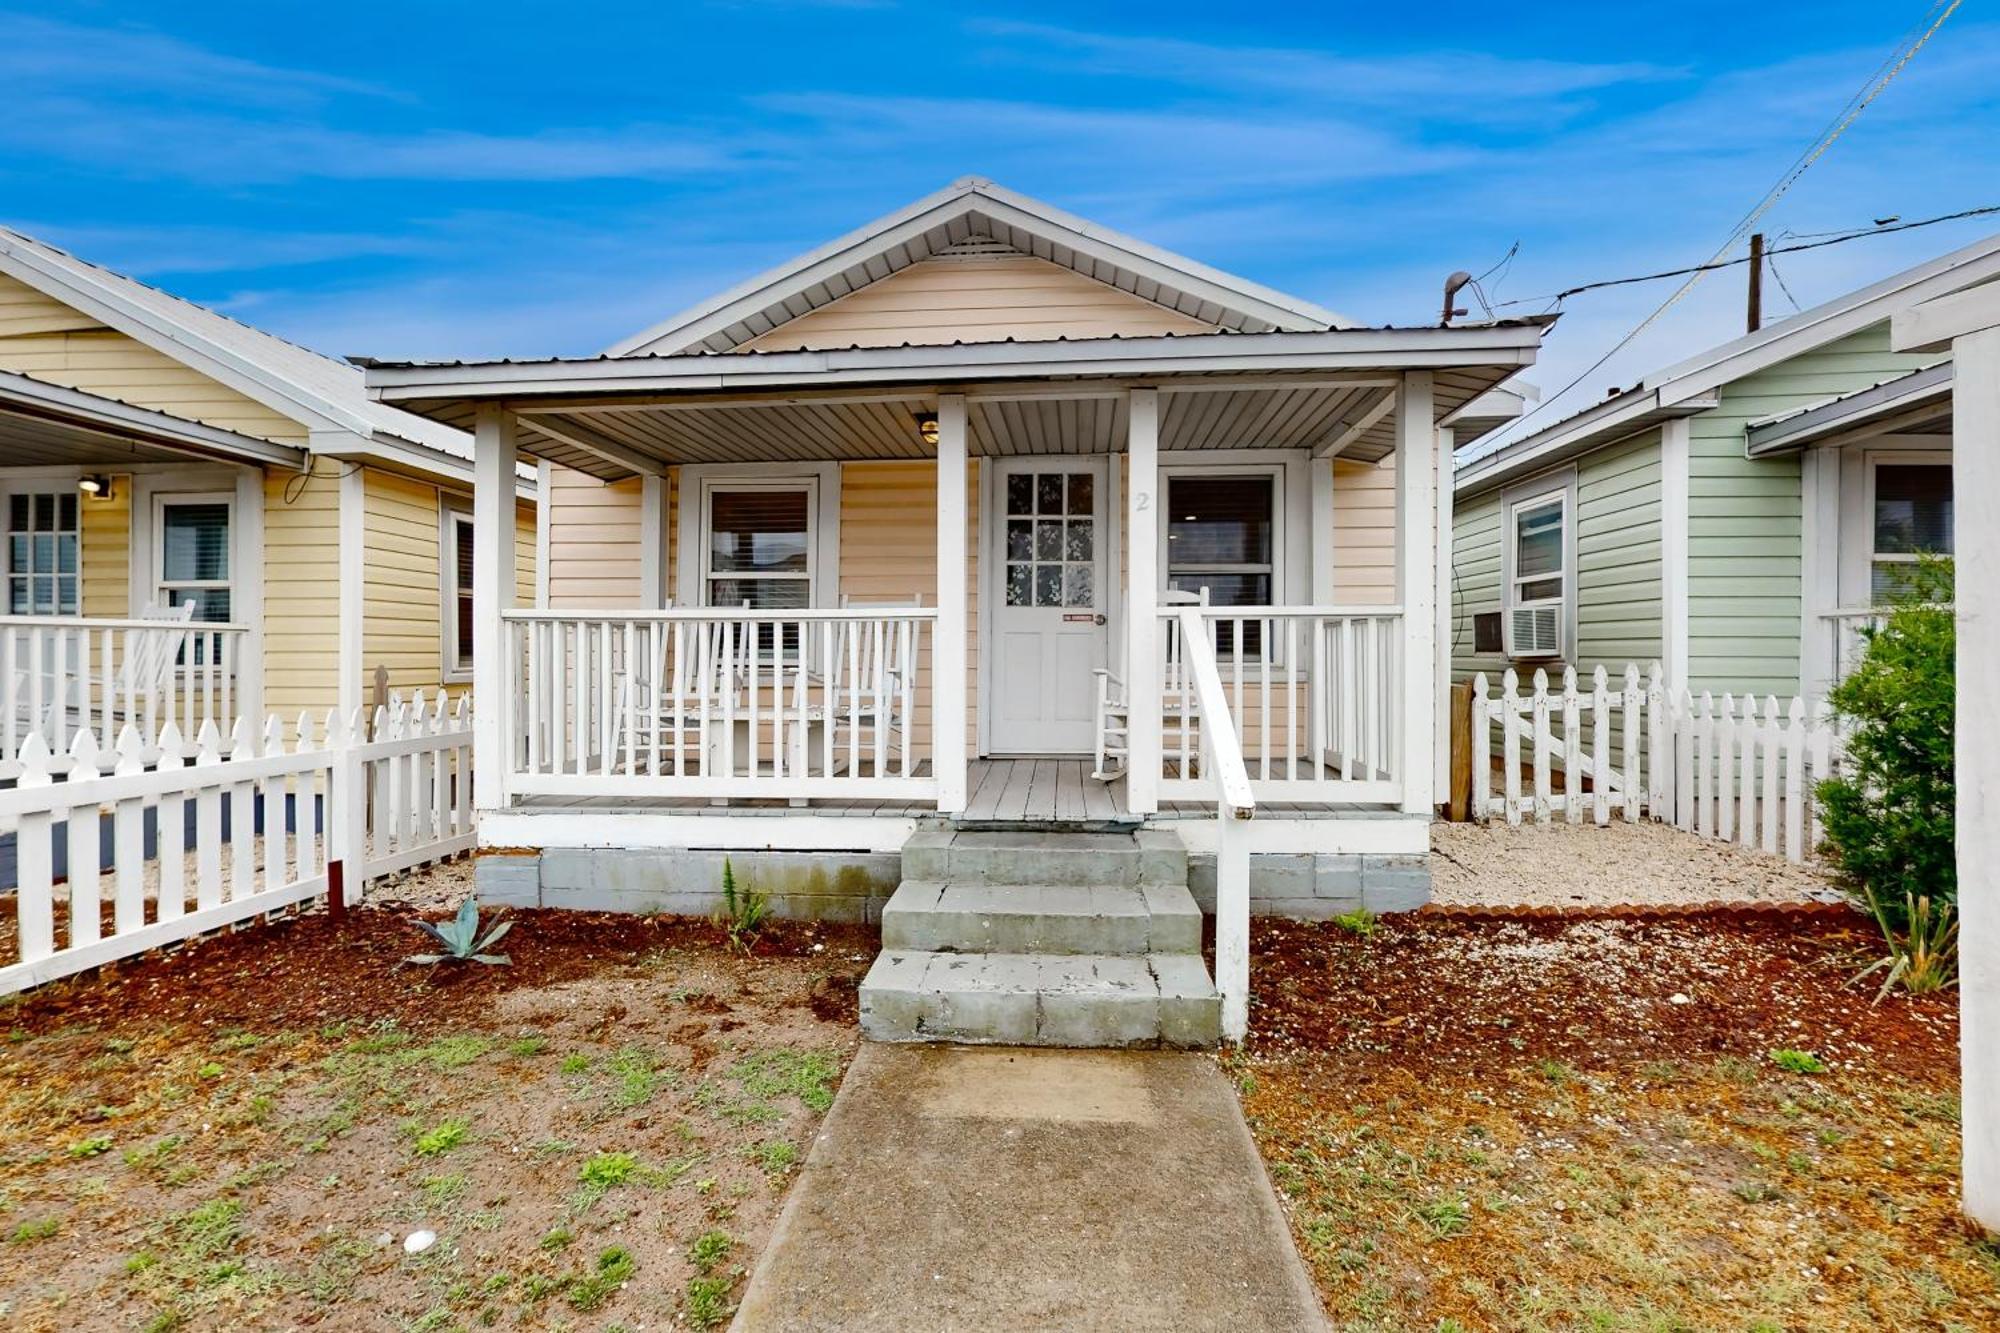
1452,286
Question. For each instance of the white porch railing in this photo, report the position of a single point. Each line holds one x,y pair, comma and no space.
61,675
719,703
1236,803
1313,694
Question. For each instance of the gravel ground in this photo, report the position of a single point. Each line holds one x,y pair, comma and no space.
1564,865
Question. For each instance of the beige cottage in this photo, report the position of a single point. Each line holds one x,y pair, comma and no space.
980,517
203,520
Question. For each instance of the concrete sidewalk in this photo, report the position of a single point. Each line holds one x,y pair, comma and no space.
958,1188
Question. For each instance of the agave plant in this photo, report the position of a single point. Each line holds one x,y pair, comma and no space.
462,941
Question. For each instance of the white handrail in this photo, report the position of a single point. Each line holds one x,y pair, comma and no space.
730,613
1218,729
1236,803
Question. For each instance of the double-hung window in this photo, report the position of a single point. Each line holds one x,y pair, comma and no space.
42,553
1222,539
758,549
1913,517
1538,575
194,565
456,569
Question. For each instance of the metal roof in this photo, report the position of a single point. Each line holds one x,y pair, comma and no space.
1917,403
317,391
975,211
42,423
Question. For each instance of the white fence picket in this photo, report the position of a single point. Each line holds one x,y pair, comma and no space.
1735,769
265,815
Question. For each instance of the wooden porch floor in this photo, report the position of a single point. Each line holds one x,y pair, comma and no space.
1010,791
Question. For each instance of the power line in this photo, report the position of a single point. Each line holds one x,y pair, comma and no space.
1885,74
1835,238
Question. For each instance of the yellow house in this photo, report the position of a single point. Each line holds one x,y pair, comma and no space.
978,538
163,464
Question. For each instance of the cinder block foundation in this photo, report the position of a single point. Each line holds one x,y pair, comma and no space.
813,886
1314,886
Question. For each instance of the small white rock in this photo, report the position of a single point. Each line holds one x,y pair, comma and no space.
1678,998
419,1241
384,1239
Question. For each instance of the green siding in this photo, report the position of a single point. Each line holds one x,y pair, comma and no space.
1618,557
1475,569
1745,529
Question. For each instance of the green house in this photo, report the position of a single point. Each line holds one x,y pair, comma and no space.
1736,517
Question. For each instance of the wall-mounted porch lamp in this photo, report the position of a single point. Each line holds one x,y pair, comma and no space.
97,486
927,428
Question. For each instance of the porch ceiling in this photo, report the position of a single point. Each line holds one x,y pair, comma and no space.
31,442
1351,416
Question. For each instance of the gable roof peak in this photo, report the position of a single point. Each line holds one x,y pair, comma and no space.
975,209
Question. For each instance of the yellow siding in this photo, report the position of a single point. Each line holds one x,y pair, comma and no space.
107,553
593,542
987,299
402,585
1364,532
301,593
524,553
888,555
46,339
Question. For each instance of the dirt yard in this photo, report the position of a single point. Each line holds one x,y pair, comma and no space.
262,1131
1482,1123
1582,865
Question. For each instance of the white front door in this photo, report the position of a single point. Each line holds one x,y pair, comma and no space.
1046,581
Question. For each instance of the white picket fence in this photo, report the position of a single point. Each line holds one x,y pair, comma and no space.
251,824
1734,769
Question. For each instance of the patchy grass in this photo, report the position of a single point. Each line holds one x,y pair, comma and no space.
1485,1125
242,1134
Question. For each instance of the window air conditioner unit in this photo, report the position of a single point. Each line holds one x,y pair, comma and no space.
1535,630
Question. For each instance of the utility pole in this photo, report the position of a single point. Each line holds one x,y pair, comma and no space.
1755,319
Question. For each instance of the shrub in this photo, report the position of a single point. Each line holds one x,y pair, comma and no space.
1888,818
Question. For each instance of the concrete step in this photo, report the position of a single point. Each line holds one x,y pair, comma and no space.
1023,857
1031,999
1112,919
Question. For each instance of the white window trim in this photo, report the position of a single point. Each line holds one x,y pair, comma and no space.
821,481
25,483
157,553
1874,461
1283,522
451,511
1531,494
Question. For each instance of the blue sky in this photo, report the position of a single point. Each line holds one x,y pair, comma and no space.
444,180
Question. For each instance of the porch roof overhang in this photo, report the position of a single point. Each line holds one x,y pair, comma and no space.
613,417
51,425
1616,418
1918,403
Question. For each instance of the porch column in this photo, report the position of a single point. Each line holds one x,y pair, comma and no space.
1142,600
1416,587
1968,324
494,454
948,648
1441,727
353,510
652,540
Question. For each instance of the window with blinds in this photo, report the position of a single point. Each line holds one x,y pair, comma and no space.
1220,539
43,554
457,568
194,559
760,548
1913,517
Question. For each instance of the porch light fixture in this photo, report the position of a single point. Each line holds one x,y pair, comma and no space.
96,486
927,428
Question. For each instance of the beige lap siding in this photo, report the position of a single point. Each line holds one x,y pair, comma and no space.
888,555
43,338
1364,533
594,553
986,299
